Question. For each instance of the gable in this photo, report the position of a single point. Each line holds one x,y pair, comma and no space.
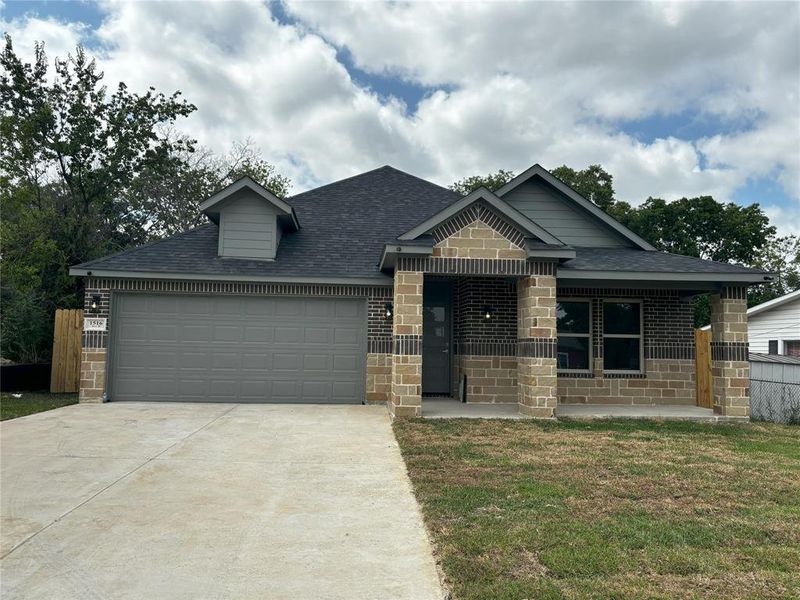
541,203
478,233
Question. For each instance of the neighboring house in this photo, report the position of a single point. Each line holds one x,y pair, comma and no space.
384,287
773,327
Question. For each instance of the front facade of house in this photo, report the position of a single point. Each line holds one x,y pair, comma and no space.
385,288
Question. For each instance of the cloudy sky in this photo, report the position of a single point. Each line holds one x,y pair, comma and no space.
674,99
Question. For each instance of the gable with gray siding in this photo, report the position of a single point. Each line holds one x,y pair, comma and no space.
248,227
558,215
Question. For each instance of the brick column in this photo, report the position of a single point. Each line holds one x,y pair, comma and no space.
730,366
536,346
406,395
93,352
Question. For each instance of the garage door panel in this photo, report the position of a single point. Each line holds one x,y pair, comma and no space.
237,348
317,335
290,335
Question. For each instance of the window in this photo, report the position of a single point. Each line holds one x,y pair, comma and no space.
622,335
772,346
573,324
791,347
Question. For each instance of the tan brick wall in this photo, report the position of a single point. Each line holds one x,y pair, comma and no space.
406,399
536,318
731,378
478,240
379,378
665,382
536,307
93,375
406,379
490,379
407,303
537,387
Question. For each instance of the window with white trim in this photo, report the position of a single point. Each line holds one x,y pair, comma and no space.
622,336
574,329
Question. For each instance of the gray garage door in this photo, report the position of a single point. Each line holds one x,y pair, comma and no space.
237,349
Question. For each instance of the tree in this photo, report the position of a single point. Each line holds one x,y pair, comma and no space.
779,255
593,183
492,182
68,148
165,200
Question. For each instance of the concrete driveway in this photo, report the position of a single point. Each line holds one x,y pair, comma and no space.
134,500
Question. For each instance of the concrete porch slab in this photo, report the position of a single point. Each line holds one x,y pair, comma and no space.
447,408
633,411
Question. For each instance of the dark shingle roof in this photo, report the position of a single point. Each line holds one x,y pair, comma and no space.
631,259
343,228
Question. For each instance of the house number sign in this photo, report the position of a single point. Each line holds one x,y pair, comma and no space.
94,324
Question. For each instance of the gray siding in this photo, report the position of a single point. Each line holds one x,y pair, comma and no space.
548,208
247,228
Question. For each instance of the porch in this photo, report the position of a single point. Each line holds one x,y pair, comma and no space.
449,408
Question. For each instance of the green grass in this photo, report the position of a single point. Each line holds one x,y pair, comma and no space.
609,509
32,402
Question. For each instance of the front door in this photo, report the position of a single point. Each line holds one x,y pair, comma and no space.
436,334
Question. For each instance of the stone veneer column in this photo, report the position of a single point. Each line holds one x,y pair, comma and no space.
93,352
536,346
730,366
406,395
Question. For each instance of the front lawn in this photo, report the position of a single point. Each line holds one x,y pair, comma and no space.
625,509
32,402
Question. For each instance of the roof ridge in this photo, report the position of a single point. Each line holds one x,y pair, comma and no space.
147,245
381,168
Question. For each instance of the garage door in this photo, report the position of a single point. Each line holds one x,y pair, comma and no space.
237,349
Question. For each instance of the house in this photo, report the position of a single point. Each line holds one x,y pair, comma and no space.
386,288
774,326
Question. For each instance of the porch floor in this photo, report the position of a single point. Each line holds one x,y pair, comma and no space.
447,408
669,412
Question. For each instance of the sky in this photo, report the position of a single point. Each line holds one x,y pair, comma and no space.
673,98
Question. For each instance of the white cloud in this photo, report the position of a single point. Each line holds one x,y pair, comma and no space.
529,82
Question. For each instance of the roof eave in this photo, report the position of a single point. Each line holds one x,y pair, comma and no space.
390,253
379,279
718,278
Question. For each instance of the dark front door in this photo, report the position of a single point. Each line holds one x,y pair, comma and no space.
436,334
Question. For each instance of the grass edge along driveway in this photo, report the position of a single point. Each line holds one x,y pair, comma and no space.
609,509
32,402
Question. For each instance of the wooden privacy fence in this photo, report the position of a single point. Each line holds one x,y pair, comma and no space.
65,374
702,357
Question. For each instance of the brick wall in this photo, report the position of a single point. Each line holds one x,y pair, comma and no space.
669,371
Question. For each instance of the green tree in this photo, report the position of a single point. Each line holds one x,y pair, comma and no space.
165,199
492,182
68,149
593,183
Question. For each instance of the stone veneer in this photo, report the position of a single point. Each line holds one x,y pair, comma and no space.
729,352
379,377
536,346
406,396
93,375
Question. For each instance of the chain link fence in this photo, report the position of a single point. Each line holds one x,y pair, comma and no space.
775,401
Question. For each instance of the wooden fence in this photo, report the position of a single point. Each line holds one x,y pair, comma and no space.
65,375
702,357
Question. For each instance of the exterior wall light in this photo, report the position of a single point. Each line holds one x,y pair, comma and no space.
388,310
487,312
95,305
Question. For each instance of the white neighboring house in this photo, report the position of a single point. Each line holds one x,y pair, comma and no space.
774,326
